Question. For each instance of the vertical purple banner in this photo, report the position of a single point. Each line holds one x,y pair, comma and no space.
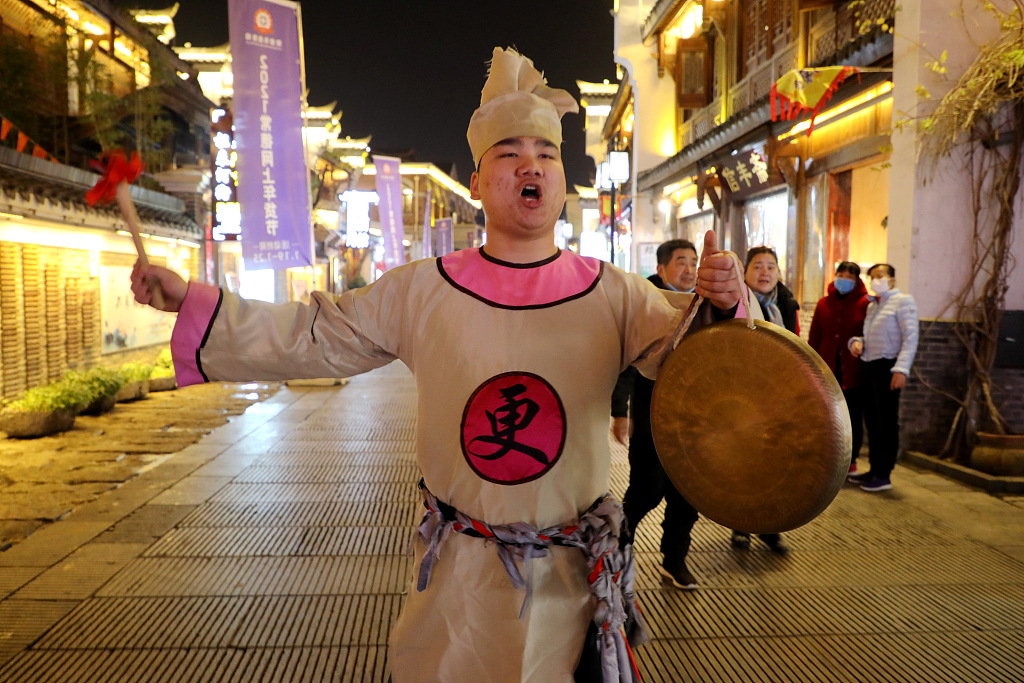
428,240
389,202
443,226
273,183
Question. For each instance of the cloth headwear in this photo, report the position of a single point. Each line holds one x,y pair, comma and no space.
516,102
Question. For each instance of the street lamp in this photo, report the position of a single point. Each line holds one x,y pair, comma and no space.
618,172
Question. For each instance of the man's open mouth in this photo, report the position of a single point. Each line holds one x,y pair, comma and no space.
530,192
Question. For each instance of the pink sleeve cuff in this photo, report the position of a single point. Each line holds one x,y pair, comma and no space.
195,318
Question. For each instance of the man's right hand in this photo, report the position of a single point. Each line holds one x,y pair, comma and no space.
620,429
856,348
173,286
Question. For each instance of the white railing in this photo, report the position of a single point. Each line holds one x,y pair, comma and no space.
702,121
758,83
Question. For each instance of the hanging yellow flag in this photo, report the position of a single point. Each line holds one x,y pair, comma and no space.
806,90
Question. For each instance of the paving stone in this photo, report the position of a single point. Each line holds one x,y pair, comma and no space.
23,621
146,524
192,491
81,573
51,544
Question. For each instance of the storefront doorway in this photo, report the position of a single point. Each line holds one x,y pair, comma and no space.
766,223
847,216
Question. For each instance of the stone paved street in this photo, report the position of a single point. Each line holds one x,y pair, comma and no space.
274,550
42,480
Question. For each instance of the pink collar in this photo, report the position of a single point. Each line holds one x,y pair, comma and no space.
563,277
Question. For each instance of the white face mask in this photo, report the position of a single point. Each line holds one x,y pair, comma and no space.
880,285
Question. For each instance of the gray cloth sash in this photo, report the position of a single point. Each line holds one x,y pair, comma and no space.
610,565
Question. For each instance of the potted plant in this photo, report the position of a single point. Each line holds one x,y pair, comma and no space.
102,385
42,411
136,381
999,454
163,378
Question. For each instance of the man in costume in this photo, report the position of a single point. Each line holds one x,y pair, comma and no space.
631,406
526,342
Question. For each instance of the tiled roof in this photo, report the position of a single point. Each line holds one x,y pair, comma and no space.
27,175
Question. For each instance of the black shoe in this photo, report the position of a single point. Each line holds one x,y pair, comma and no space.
875,484
740,540
775,542
678,575
859,478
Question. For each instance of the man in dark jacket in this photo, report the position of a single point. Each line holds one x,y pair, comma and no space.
839,316
648,483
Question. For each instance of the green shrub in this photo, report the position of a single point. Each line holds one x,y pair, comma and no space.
100,382
56,396
164,360
135,372
162,371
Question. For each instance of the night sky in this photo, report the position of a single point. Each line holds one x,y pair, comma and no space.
409,73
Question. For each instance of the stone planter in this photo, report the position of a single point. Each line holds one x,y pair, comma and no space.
100,405
29,424
132,391
999,454
162,383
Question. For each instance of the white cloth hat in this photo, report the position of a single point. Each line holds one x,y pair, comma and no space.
516,102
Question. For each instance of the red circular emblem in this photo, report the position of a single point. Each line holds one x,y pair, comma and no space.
513,428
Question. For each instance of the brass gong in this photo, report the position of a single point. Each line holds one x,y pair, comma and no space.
751,426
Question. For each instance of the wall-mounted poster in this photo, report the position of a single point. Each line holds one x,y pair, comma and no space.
647,258
126,324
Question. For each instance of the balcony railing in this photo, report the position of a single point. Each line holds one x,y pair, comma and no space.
824,39
833,30
759,82
702,121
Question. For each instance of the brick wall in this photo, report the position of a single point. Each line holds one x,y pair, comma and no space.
49,315
1008,392
50,319
926,415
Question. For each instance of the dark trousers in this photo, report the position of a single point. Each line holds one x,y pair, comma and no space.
881,414
648,484
855,404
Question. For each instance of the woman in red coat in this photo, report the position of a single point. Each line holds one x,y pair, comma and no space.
838,316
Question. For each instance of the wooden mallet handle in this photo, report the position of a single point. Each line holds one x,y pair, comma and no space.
131,217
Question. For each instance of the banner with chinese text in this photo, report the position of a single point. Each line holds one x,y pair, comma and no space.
443,228
389,204
273,184
428,241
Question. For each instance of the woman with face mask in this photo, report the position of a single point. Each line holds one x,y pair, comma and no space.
886,351
839,316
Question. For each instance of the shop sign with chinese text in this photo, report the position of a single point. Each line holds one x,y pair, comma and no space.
746,173
226,221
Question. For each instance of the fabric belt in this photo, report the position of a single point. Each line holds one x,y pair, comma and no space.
610,566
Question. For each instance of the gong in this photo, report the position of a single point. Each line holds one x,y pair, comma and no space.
751,426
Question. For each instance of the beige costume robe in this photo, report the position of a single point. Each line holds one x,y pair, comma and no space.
514,367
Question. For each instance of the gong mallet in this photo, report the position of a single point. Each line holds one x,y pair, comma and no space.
114,182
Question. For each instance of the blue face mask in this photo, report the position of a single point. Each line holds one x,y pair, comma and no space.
844,286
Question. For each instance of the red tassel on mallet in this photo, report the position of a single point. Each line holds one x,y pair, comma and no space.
118,172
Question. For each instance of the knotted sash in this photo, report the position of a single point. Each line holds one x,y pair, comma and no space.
610,565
